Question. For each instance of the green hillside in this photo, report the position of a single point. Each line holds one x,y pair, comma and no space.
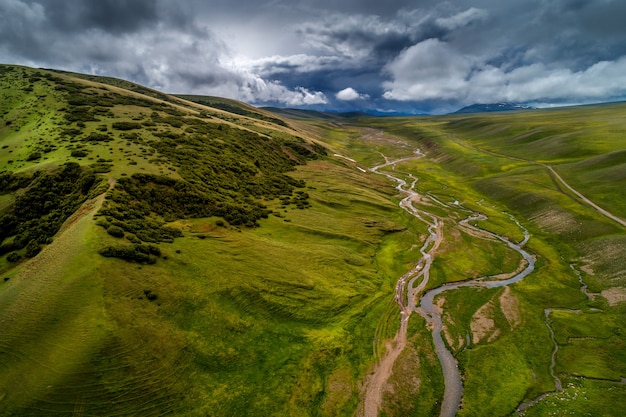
241,268
196,256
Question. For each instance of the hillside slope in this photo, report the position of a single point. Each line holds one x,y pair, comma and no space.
230,270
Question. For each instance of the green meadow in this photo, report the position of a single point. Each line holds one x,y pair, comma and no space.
195,256
496,164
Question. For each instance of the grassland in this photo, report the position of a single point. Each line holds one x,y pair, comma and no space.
274,315
271,292
496,164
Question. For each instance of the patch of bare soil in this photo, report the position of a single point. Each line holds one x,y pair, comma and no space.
614,296
482,324
477,234
506,275
587,269
509,304
377,383
404,383
556,221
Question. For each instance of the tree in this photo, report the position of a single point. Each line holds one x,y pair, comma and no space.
32,248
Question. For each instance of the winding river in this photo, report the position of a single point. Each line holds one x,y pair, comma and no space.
407,294
453,392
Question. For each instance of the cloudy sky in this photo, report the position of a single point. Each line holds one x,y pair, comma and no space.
388,55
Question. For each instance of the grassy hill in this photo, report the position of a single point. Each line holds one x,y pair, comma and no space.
196,256
241,272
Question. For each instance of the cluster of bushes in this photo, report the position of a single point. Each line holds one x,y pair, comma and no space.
173,120
10,182
126,125
98,137
226,172
47,200
79,114
143,254
136,198
139,228
79,153
300,200
101,167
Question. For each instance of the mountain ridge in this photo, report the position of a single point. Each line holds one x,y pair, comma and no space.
492,107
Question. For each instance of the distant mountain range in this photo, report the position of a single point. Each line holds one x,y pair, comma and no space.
493,107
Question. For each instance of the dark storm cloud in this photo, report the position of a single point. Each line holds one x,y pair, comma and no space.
420,54
107,15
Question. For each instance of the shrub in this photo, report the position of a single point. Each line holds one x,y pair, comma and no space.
98,137
79,153
143,254
14,257
32,249
126,125
115,231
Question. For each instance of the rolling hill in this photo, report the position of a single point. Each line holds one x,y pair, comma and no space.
196,256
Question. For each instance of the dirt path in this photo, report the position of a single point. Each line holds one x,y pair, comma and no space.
560,179
378,380
596,207
375,386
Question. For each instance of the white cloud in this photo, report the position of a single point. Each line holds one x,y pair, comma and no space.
260,91
429,70
461,19
434,70
350,94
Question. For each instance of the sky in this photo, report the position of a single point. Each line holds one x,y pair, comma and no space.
420,56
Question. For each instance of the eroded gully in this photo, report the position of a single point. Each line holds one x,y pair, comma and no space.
406,294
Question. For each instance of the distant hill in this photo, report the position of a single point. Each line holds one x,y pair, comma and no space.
492,107
307,114
301,114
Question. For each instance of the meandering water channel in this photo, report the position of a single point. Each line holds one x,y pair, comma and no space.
408,296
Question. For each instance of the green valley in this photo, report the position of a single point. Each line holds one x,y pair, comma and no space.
196,256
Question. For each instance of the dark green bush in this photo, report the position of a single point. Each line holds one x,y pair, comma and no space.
143,254
98,137
14,257
115,231
79,153
126,125
32,249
